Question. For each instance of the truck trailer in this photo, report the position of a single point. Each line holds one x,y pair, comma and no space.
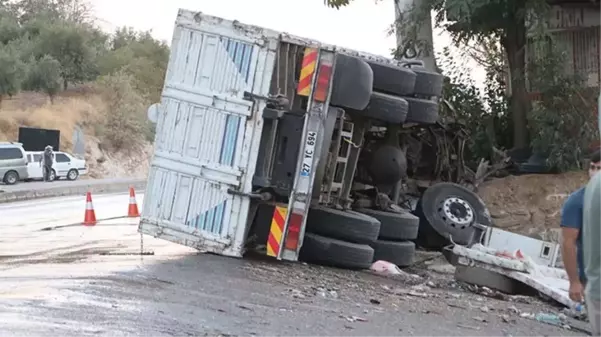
301,149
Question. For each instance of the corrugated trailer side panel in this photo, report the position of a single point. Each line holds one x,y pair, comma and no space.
208,134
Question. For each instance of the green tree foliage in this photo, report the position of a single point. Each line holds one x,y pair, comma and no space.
50,36
70,46
44,75
139,55
48,45
11,73
484,114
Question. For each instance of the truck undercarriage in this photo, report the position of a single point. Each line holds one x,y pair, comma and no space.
387,148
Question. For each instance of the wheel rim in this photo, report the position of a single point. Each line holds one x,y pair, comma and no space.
456,212
72,175
52,175
11,179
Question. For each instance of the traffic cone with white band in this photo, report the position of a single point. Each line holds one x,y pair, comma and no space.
132,211
90,216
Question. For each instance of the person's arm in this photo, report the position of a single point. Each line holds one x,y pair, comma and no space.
571,224
568,252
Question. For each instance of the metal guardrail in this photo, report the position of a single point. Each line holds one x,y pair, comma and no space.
22,192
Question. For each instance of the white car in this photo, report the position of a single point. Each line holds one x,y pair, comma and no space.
64,166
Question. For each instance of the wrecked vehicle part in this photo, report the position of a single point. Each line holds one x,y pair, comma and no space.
550,281
293,133
421,111
343,224
448,210
388,165
394,225
427,83
337,253
401,253
386,108
393,80
352,83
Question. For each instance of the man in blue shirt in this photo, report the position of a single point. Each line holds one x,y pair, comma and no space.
571,231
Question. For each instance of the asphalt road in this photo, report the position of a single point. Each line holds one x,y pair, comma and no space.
75,281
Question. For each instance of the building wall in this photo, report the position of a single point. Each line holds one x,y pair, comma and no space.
576,27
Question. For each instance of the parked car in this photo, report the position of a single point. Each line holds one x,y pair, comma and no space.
64,166
13,163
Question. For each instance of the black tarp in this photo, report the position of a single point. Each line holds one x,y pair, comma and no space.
34,139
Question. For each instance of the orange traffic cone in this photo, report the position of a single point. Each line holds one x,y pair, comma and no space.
90,216
132,211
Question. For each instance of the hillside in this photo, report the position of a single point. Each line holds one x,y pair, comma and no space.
83,107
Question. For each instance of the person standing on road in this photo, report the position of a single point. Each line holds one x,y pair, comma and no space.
571,231
591,237
48,159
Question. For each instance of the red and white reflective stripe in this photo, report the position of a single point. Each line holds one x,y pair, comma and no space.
89,206
132,200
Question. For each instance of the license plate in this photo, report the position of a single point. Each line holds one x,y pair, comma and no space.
309,153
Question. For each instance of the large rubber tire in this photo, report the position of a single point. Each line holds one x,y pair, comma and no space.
392,80
434,228
343,225
352,84
336,253
400,253
10,178
394,226
421,111
387,108
427,83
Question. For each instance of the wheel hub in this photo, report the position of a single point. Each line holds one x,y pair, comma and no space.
456,212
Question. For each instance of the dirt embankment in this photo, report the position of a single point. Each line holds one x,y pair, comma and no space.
83,108
530,204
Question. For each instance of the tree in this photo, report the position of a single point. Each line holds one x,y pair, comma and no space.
45,75
75,11
69,45
9,26
139,55
474,20
11,72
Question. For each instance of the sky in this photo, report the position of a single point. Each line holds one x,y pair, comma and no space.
362,26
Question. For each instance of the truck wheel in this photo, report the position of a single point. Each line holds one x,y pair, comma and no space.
342,225
393,80
421,111
352,84
336,253
427,83
400,253
387,108
448,209
394,226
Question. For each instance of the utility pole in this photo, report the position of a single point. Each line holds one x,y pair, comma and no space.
423,48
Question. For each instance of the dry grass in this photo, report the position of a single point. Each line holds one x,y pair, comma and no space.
35,110
82,107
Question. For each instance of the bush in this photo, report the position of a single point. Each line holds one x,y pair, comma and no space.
562,122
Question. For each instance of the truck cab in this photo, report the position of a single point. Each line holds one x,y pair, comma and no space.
293,146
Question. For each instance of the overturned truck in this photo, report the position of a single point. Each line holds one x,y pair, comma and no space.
304,150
